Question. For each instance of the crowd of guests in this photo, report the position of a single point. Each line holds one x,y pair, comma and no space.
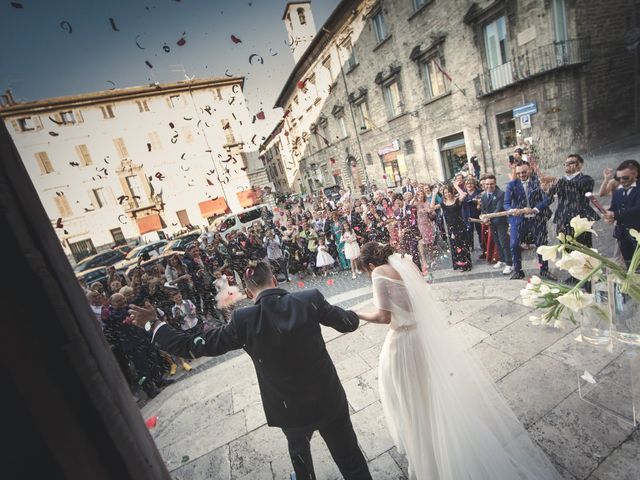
429,222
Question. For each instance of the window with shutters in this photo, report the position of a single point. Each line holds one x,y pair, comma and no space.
68,117
99,198
352,61
44,163
143,105
393,98
107,111
326,63
187,135
228,131
379,27
27,124
175,101
408,147
118,236
362,115
121,148
136,191
435,81
82,249
63,206
342,126
154,140
83,154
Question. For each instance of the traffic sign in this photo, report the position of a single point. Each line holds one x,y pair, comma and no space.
527,109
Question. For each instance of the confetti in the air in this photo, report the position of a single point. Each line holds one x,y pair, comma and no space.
113,25
235,39
255,56
66,26
152,421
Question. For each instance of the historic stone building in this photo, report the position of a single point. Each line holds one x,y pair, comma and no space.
391,89
144,162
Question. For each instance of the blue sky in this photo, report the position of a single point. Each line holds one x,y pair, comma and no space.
40,59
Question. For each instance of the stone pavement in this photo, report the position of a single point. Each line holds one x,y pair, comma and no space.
211,424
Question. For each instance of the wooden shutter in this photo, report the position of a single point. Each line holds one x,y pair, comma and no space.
44,163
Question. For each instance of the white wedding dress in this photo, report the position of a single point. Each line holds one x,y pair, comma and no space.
442,410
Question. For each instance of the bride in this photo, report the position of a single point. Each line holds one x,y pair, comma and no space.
442,410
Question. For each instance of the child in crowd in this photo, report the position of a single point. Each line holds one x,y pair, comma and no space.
185,318
324,261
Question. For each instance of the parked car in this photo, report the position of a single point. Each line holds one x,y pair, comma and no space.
163,257
152,249
180,243
92,275
103,259
236,221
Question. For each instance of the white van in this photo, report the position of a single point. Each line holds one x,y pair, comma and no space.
235,221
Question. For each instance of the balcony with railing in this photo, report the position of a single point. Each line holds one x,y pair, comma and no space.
531,64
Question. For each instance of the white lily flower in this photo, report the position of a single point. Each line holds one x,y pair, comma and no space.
535,320
635,234
535,280
555,290
582,266
548,252
576,301
581,225
529,301
544,289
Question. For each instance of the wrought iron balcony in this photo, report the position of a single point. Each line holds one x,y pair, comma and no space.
533,63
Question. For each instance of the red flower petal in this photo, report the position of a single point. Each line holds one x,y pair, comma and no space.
151,421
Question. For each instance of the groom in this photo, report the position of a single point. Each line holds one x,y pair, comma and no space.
300,389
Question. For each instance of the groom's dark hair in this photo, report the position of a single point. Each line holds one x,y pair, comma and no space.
257,275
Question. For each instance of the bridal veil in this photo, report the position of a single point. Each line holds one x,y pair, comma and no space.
473,432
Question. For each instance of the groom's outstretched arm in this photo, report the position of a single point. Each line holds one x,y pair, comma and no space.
332,316
212,343
216,341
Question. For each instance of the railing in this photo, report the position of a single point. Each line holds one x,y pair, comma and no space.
533,63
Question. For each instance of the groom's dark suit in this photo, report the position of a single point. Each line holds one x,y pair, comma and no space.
300,389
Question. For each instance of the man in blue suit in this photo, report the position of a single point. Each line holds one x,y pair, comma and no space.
625,208
528,207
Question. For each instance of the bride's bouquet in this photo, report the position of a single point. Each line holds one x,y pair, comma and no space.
586,264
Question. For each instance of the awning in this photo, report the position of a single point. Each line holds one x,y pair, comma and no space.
215,206
248,198
150,223
450,144
389,157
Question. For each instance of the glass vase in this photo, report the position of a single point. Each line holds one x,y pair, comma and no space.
595,321
625,314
